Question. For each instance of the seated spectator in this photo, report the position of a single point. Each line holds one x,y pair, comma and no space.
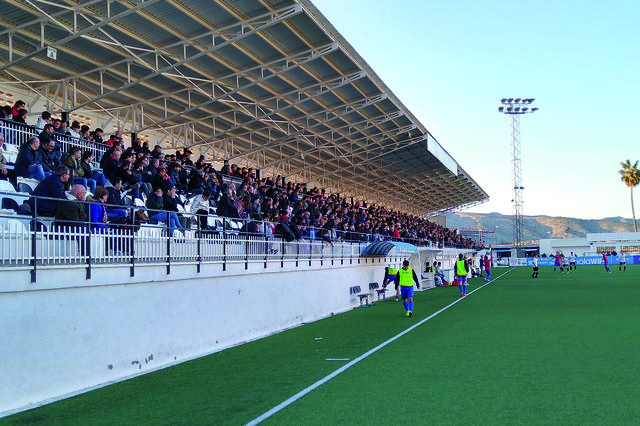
155,206
60,127
85,132
226,205
98,211
87,166
97,135
157,152
44,119
161,180
74,130
29,161
72,161
52,188
200,206
48,133
130,182
120,214
137,172
21,116
71,215
50,158
171,202
252,227
111,164
15,110
256,208
195,182
151,170
268,208
71,212
117,146
174,174
226,169
243,206
3,161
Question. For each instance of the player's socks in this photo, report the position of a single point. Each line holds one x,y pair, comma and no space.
411,306
406,305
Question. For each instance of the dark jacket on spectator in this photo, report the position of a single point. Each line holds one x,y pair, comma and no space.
127,179
26,157
195,182
159,181
227,208
50,159
110,167
52,187
70,213
149,174
74,165
171,204
155,204
45,138
115,197
86,169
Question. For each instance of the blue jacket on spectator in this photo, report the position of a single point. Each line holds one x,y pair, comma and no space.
97,215
50,159
26,157
52,187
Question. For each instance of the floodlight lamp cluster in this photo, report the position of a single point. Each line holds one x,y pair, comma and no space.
517,106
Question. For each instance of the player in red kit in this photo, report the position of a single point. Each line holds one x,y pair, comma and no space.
558,262
606,263
487,266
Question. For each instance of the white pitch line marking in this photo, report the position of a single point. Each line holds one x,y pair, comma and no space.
345,367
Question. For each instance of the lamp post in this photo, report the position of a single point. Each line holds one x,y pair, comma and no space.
515,107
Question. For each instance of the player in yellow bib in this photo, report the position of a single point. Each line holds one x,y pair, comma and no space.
390,276
462,269
405,278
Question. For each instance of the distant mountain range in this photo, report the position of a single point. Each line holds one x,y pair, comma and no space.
534,227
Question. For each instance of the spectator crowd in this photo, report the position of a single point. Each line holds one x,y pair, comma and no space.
178,191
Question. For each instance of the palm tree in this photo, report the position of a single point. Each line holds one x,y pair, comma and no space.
631,177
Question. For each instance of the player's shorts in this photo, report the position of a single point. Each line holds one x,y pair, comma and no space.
535,269
557,264
488,272
572,263
406,292
461,278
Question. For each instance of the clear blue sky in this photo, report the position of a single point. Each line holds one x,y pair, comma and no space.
451,61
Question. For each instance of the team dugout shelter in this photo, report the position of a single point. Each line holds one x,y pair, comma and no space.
268,84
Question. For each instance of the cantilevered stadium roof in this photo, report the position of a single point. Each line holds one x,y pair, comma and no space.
268,84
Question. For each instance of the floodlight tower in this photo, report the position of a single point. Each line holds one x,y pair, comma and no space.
515,107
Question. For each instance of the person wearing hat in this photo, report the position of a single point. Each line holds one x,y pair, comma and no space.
406,277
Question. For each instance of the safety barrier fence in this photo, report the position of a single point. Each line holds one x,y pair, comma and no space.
16,134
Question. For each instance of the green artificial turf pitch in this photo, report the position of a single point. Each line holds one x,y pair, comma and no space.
560,349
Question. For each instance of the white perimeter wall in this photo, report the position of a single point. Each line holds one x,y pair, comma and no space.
65,334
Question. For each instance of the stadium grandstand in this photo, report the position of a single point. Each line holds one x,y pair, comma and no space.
302,153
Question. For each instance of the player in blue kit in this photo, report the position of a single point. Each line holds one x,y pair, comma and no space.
462,269
606,263
405,279
487,266
390,275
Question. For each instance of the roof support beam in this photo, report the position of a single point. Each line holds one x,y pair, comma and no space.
236,32
75,33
